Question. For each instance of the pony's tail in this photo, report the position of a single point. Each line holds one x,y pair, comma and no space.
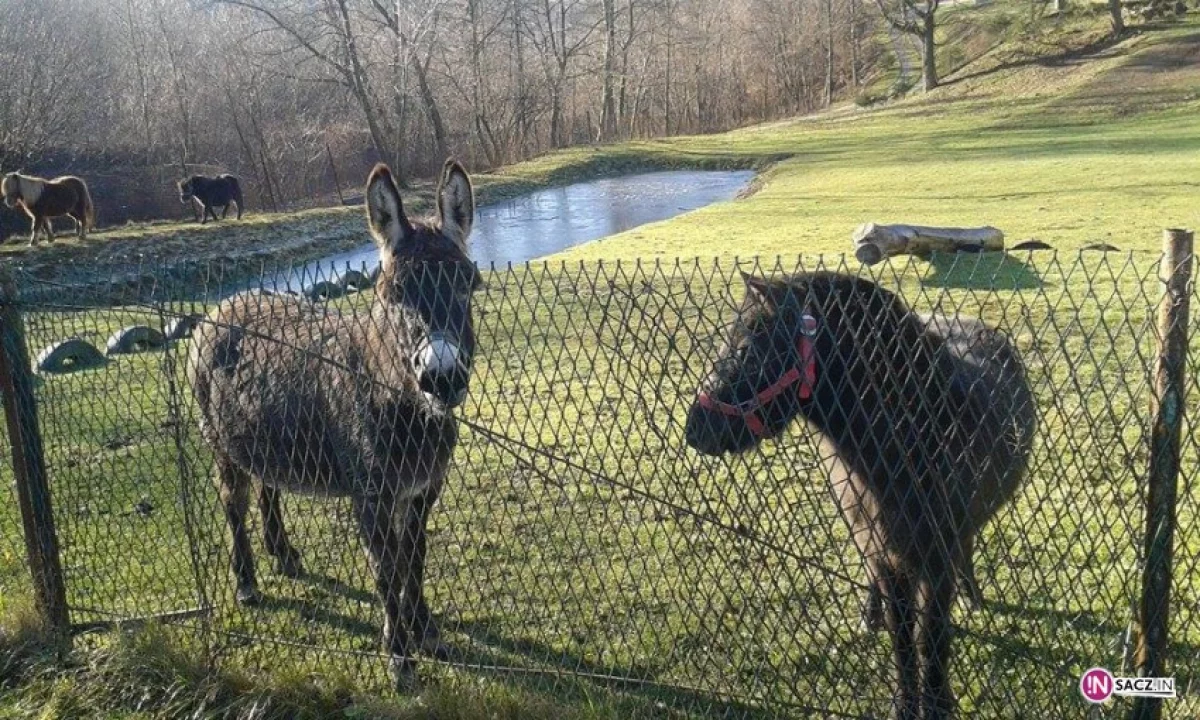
89,210
237,197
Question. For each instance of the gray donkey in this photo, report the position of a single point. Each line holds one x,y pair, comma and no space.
297,396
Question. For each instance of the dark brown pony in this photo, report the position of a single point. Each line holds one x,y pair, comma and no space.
43,199
925,427
209,193
295,396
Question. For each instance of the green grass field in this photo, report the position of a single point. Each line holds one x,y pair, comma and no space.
708,587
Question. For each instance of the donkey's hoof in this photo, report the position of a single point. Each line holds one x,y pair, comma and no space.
248,596
289,564
404,674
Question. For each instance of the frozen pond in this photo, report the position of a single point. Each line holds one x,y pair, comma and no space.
548,221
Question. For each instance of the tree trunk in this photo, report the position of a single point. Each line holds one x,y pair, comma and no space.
431,107
1115,16
873,243
608,109
277,197
667,88
264,188
828,53
855,50
482,129
622,92
360,85
556,111
521,101
929,73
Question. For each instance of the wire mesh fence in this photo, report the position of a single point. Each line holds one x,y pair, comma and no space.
577,542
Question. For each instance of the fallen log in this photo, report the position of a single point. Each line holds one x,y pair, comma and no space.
872,242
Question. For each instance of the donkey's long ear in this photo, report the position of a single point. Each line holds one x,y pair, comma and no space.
385,212
456,202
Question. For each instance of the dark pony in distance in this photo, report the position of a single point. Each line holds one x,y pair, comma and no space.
207,194
43,200
925,427
295,396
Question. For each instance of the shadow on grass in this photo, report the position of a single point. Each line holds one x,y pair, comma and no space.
1067,659
334,586
1090,51
312,612
638,682
981,271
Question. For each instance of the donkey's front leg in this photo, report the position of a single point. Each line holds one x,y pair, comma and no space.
37,226
415,610
234,486
287,557
380,538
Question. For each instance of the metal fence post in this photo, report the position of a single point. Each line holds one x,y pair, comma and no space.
29,466
1168,415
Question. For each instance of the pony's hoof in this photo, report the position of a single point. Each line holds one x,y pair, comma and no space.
871,619
248,596
404,675
290,565
432,645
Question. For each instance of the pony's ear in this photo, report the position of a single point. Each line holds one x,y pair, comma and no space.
385,212
456,202
758,289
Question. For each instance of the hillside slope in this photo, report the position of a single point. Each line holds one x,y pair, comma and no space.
1096,143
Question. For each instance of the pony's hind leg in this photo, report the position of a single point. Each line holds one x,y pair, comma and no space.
415,610
380,538
900,598
933,642
287,558
234,486
966,574
873,610
37,226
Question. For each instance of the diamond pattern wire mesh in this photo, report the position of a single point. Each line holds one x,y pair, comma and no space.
580,545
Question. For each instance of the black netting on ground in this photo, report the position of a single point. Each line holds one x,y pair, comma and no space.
579,543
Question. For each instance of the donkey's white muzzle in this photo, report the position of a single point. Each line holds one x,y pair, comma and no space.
437,355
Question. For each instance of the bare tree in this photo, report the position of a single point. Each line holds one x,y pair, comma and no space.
1116,18
329,38
258,87
920,20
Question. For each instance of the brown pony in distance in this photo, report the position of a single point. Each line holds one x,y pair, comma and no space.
295,396
925,427
43,199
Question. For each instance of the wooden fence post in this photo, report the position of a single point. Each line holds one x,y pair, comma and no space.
29,466
1168,414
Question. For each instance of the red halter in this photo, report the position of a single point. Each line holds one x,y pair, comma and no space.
805,374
